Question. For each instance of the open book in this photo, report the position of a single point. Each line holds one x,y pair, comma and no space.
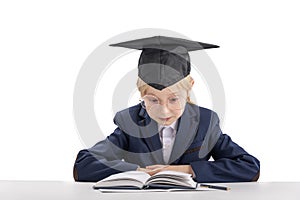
142,180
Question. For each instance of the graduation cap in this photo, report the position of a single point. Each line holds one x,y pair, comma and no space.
164,60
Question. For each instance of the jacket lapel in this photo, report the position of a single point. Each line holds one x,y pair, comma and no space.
187,129
153,142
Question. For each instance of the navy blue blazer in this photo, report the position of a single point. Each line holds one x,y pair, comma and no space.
135,142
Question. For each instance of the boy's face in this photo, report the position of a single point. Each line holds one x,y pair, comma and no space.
165,106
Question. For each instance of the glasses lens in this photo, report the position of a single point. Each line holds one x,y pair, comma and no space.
174,103
150,101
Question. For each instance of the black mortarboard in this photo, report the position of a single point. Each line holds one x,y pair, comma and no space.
164,60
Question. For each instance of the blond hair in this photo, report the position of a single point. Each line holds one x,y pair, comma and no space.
185,83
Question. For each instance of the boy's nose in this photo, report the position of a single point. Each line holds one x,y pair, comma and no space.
164,108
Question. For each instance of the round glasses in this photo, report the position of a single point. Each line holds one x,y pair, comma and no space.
152,102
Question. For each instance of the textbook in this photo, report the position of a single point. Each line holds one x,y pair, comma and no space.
140,180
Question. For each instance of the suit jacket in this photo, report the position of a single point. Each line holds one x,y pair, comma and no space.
136,143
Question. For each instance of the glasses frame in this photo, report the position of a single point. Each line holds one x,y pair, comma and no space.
181,99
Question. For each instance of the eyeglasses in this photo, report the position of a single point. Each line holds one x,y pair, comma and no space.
152,102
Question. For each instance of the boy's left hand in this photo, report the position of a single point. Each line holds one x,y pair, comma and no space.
179,168
153,169
157,167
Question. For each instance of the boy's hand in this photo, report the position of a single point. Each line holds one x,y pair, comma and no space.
153,169
179,168
157,167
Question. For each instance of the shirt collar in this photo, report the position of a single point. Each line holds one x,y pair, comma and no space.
173,125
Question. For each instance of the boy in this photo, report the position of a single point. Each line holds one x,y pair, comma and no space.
167,131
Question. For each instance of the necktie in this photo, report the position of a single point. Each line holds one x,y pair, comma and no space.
167,141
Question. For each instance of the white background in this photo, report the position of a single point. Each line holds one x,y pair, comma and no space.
43,45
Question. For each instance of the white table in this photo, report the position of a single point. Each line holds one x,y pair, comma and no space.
37,190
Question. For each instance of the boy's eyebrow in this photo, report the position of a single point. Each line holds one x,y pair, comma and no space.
150,94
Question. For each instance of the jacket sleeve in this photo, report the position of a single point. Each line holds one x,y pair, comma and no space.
103,159
231,162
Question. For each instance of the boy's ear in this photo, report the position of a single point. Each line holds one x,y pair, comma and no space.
192,83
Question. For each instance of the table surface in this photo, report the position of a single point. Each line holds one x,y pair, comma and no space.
73,190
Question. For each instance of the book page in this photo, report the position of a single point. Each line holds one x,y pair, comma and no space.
140,180
124,179
171,179
172,174
154,190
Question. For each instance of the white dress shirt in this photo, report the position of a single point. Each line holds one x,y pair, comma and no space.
167,137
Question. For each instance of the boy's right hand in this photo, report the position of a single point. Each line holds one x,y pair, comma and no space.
152,170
